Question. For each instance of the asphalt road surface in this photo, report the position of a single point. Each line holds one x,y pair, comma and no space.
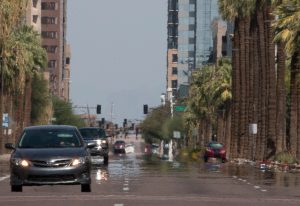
135,179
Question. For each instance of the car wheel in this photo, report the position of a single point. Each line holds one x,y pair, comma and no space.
106,160
16,188
86,188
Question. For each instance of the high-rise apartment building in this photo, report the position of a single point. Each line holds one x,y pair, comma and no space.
200,39
33,14
172,53
54,41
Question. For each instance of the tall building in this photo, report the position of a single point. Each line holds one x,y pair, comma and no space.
172,53
186,41
201,39
33,14
54,23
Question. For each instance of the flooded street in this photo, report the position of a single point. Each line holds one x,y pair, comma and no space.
138,179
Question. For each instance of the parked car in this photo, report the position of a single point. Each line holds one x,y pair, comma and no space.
50,155
215,150
98,136
129,148
119,147
155,149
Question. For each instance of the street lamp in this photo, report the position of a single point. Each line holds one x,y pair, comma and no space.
170,97
163,99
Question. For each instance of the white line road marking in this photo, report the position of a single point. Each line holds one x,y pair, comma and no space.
126,189
118,204
256,187
263,190
4,178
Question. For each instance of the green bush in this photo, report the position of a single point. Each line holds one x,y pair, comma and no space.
285,157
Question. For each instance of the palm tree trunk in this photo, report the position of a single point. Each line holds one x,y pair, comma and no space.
281,98
235,93
242,86
294,105
271,81
263,91
228,132
27,96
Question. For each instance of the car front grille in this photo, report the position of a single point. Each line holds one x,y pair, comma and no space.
50,178
52,163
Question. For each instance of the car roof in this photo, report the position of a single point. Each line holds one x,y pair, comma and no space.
41,127
120,141
91,128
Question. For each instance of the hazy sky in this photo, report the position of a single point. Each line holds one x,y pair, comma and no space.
118,55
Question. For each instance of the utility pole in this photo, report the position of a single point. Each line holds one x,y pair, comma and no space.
111,111
89,116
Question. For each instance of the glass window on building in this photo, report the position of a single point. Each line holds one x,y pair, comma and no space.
50,49
34,3
174,58
49,34
49,20
52,64
174,71
48,6
174,83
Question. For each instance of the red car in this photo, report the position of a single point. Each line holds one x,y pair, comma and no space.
215,150
119,147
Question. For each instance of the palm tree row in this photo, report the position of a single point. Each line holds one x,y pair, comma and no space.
258,77
208,107
22,58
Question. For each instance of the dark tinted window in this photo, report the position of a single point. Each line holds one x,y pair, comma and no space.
119,142
215,145
92,133
49,138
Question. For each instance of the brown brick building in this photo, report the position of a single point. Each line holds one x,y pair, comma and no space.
53,31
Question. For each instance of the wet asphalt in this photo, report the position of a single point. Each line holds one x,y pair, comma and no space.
137,179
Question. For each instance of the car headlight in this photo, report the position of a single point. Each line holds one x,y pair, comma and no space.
98,142
103,141
77,161
20,162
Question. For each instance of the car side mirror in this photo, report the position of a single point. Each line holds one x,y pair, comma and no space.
91,145
10,146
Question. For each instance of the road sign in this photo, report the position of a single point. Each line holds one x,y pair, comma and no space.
253,128
176,134
5,120
180,108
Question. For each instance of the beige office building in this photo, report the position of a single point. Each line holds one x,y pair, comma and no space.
33,14
53,19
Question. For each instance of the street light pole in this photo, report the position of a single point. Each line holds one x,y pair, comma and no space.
171,99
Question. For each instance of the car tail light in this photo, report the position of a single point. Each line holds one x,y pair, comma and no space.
209,150
222,151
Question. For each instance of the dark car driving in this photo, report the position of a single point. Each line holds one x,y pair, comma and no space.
119,147
50,155
215,150
98,136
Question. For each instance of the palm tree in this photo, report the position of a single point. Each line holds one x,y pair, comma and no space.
287,29
29,58
10,18
210,93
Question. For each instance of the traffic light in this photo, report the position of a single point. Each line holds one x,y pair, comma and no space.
102,121
145,108
125,123
98,109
